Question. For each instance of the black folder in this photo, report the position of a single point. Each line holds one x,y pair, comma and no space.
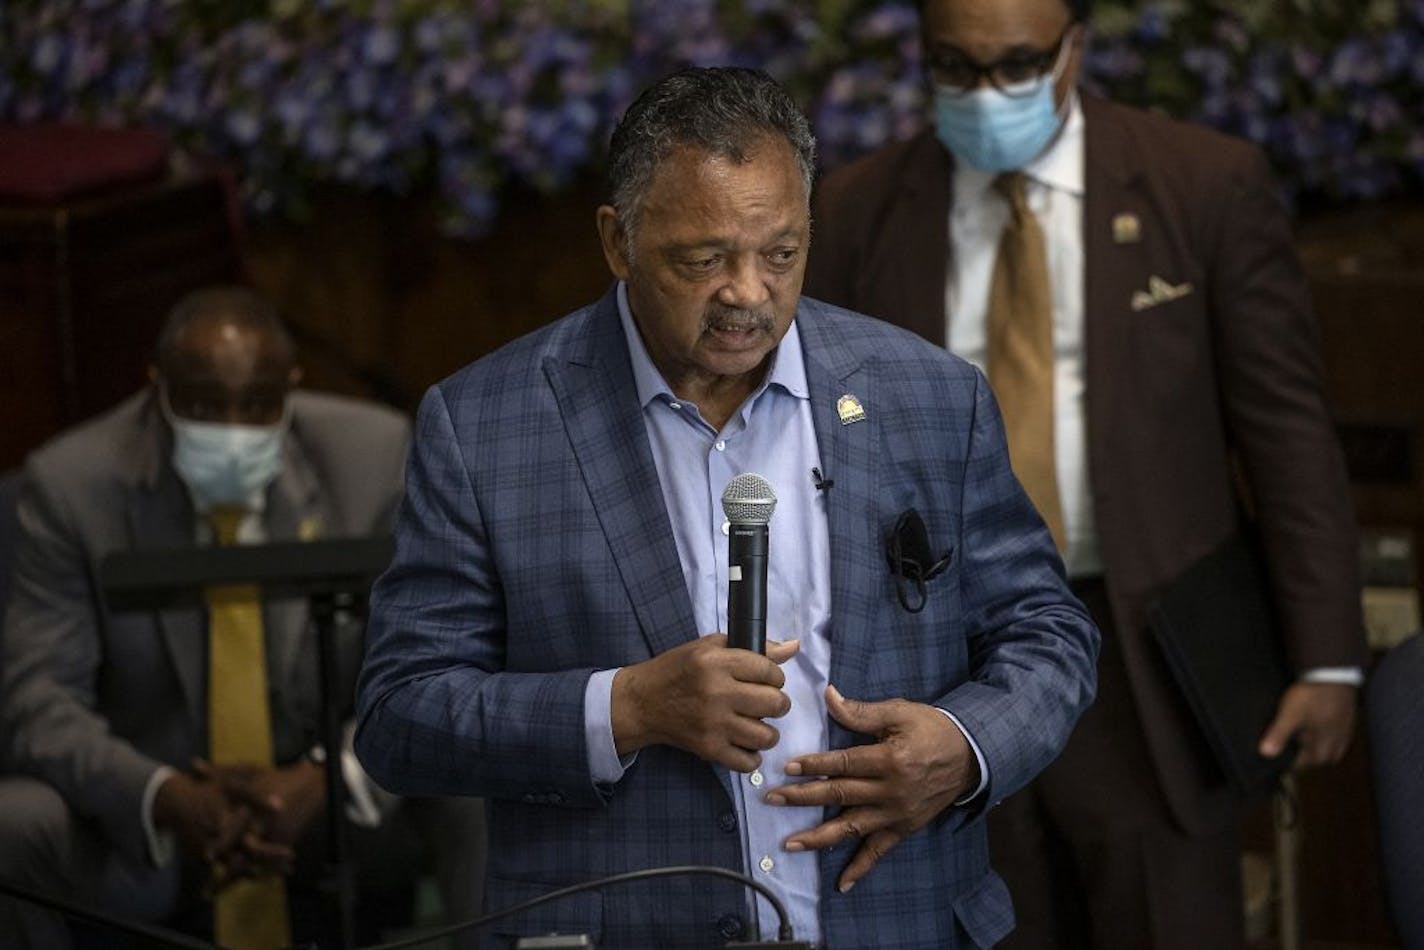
1216,628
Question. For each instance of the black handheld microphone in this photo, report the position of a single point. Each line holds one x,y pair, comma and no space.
748,502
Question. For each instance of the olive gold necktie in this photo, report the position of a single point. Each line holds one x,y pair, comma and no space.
249,914
1020,352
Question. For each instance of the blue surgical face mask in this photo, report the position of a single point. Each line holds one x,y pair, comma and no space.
225,464
991,130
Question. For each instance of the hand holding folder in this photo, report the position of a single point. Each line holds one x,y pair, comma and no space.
1216,627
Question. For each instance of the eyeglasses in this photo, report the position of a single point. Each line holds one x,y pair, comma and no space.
957,74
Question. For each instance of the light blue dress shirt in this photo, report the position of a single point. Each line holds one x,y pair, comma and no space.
772,434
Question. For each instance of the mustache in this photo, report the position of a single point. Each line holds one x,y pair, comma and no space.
721,317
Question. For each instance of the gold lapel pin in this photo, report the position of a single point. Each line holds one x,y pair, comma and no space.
1126,228
849,409
309,528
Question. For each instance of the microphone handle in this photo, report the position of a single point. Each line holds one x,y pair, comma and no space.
746,588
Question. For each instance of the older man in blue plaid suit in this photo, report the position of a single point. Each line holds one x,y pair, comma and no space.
546,636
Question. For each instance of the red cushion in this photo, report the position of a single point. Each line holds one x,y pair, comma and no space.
46,163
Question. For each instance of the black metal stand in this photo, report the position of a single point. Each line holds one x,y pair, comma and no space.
340,884
333,576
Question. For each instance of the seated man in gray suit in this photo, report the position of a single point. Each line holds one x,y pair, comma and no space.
130,785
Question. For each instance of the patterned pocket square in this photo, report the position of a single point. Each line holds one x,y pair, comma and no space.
1159,291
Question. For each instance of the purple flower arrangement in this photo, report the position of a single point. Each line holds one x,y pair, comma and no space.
1332,91
466,97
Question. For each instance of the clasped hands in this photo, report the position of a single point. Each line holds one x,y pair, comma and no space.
243,820
714,702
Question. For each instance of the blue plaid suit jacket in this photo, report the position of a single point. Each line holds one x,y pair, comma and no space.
534,548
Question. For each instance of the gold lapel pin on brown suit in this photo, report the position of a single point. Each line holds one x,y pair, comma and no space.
1126,228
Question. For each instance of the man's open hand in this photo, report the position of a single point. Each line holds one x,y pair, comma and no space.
887,790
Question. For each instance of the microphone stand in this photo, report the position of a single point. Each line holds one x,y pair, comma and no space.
339,885
332,575
785,938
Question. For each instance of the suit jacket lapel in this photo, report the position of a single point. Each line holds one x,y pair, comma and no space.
849,454
1114,265
920,219
295,511
599,405
160,515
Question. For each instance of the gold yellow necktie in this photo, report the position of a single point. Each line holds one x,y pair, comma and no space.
249,914
1020,352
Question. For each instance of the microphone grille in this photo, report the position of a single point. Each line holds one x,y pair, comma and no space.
748,499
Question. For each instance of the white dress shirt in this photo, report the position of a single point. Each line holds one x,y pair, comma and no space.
1053,188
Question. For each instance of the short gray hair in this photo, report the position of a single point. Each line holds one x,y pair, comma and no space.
722,110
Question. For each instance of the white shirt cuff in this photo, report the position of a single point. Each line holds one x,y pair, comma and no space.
1344,675
978,756
366,803
362,799
161,844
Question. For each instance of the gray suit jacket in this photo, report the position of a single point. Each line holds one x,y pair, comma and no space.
1188,399
93,702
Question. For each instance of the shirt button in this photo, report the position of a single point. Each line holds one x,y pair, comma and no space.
726,527
674,405
720,445
766,863
756,779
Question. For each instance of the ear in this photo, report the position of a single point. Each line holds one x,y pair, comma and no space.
611,236
294,377
155,378
1069,80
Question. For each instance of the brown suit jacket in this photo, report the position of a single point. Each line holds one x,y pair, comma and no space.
1182,395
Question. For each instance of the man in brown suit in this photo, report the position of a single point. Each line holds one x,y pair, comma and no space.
1184,369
